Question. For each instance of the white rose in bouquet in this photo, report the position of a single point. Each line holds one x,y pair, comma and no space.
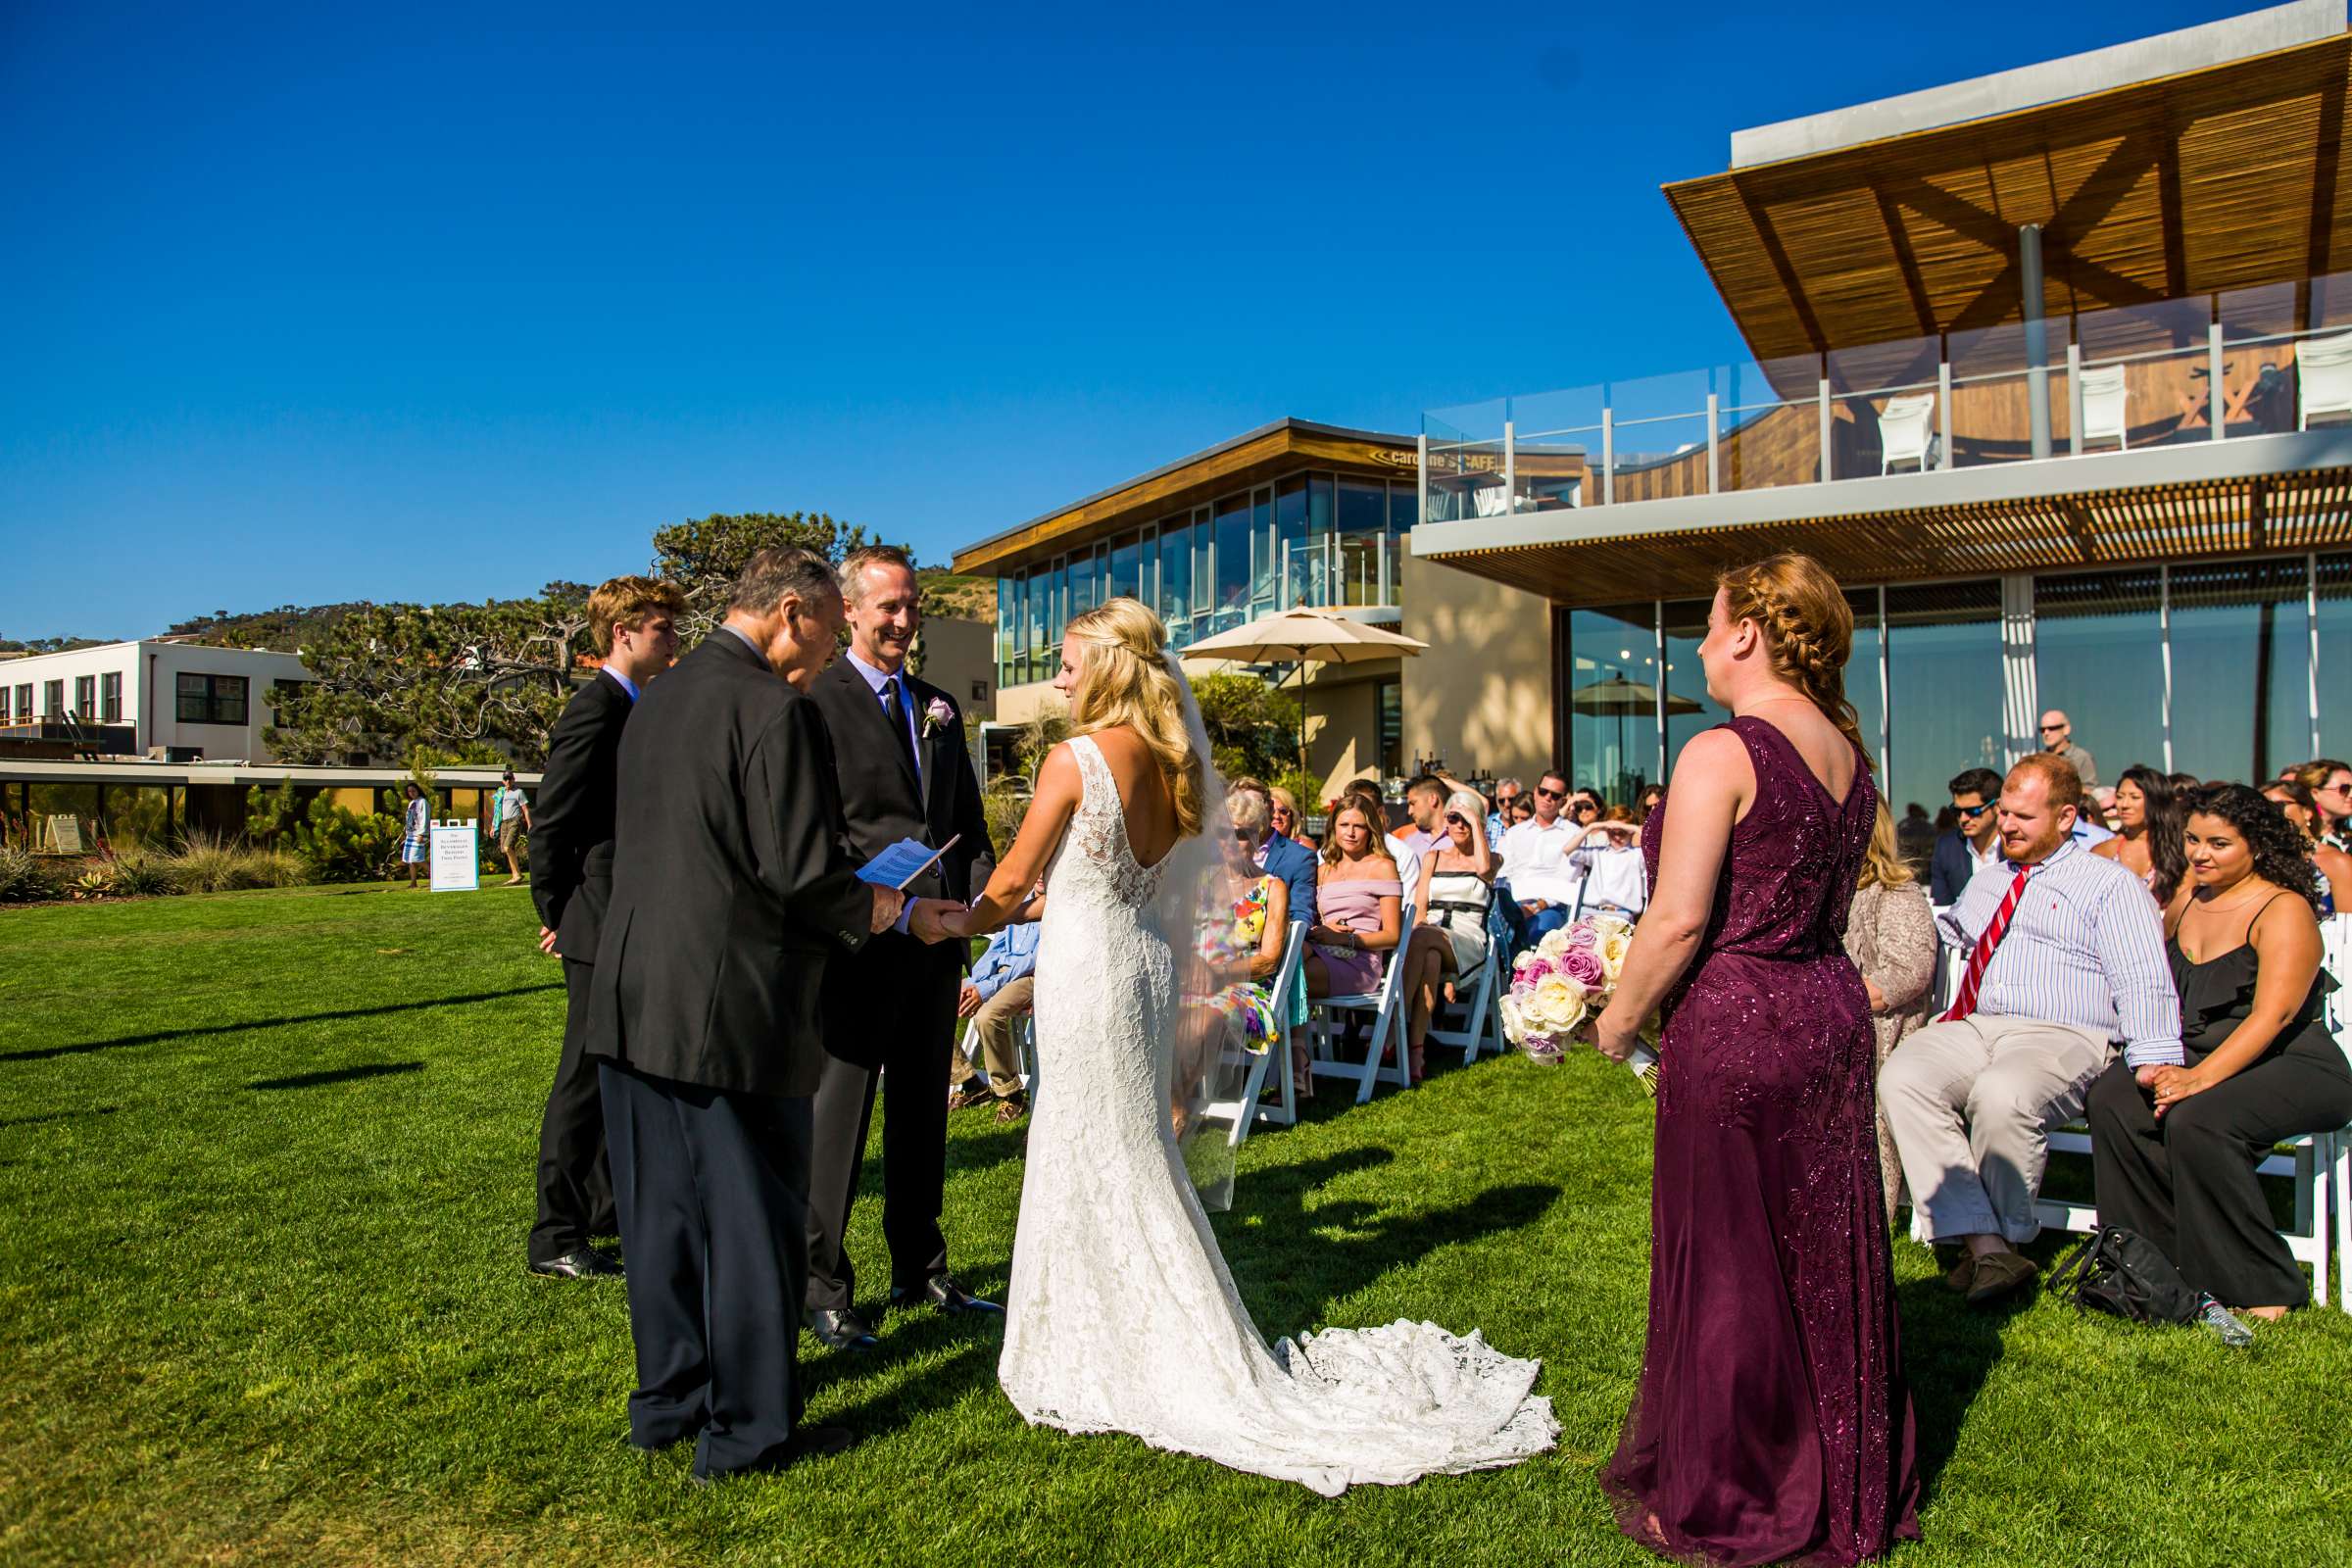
1559,1005
1555,943
1616,940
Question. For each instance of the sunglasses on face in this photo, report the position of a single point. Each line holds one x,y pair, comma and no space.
1456,820
1974,811
1552,794
2051,729
1585,808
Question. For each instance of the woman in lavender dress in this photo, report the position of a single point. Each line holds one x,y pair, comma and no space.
1772,1421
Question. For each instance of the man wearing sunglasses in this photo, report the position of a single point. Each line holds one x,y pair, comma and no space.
1975,843
2058,738
1539,864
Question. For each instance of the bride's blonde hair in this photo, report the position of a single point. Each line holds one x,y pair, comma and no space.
1123,679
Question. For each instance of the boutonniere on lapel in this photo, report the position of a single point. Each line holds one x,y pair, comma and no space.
938,712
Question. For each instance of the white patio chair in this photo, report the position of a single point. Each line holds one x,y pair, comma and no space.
1251,1109
1481,1014
2106,414
1024,1050
1387,1007
2324,376
1906,425
1490,500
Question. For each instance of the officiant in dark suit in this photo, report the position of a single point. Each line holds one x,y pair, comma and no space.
905,773
731,891
633,623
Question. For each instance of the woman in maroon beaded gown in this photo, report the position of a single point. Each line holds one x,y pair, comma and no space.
1772,1422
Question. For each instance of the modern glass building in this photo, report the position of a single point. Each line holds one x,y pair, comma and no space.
2054,369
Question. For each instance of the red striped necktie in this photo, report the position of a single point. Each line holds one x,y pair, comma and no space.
1966,1002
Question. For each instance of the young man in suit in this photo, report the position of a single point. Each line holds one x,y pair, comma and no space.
1975,844
731,893
905,773
635,621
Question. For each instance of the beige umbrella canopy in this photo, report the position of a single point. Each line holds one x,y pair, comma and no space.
1620,697
1303,636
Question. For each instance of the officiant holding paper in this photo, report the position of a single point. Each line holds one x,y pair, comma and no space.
899,753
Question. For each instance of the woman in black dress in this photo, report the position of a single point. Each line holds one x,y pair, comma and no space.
2174,1149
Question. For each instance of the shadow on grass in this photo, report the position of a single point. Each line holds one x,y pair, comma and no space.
338,1075
1292,1274
1950,1349
45,1052
57,1115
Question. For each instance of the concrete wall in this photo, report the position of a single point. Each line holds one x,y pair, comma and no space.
1480,698
959,657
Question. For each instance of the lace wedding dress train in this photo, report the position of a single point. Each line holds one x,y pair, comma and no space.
1122,1316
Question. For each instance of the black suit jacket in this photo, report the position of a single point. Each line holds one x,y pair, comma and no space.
881,805
730,885
1949,871
571,820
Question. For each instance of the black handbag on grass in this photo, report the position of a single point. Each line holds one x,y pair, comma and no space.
2120,1271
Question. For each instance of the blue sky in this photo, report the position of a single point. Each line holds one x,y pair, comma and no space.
315,304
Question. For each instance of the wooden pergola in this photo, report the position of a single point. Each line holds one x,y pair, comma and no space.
2214,179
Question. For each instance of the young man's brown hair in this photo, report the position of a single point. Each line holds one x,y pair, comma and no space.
626,602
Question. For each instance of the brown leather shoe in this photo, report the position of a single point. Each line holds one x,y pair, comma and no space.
1998,1274
972,1092
1963,1273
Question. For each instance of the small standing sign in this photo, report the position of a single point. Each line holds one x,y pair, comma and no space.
455,857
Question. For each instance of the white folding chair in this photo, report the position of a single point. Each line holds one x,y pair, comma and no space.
1024,1050
1386,1007
1906,429
2106,414
2324,366
1483,1011
1247,1110
1491,500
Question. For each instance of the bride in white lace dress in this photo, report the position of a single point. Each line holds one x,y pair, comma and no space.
1121,1315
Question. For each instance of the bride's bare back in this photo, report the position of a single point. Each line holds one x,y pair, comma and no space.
1144,799
1144,802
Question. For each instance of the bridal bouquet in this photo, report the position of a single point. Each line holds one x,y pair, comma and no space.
1564,980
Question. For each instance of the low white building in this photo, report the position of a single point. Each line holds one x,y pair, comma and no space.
193,701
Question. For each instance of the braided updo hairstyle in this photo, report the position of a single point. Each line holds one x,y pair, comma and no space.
1123,679
2282,855
1808,629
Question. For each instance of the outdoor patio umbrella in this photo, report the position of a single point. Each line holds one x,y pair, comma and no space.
1320,636
1618,697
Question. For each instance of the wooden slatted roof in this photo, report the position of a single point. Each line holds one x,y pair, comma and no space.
2219,178
2305,511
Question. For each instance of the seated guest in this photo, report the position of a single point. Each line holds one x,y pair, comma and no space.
1915,837
1615,880
1287,819
2333,865
2058,740
1523,810
1450,912
1261,924
1424,811
1890,934
1652,797
1279,856
1538,863
1499,820
1361,905
2331,784
2173,1148
995,999
1366,794
2147,843
2064,957
1971,845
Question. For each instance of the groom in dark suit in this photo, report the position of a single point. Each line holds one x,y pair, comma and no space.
732,891
634,623
905,773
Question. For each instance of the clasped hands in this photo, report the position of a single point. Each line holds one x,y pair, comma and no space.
2169,1085
932,919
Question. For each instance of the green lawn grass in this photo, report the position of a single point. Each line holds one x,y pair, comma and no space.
266,1168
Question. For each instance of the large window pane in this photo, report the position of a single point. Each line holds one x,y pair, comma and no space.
1204,581
2335,657
1034,644
1083,581
1943,645
1363,525
1404,500
1008,631
1306,570
2241,670
2098,657
1689,708
1265,558
1611,701
1126,568
1862,674
1232,530
1176,578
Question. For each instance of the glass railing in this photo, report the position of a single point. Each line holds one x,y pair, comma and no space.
2253,362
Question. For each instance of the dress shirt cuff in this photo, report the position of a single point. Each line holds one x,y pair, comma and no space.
905,914
986,989
2154,1054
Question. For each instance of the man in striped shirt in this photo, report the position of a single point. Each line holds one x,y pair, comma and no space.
2065,958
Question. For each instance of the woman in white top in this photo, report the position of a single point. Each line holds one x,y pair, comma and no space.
1449,911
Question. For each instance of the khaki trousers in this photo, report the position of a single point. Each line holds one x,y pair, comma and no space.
1971,1106
999,1022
